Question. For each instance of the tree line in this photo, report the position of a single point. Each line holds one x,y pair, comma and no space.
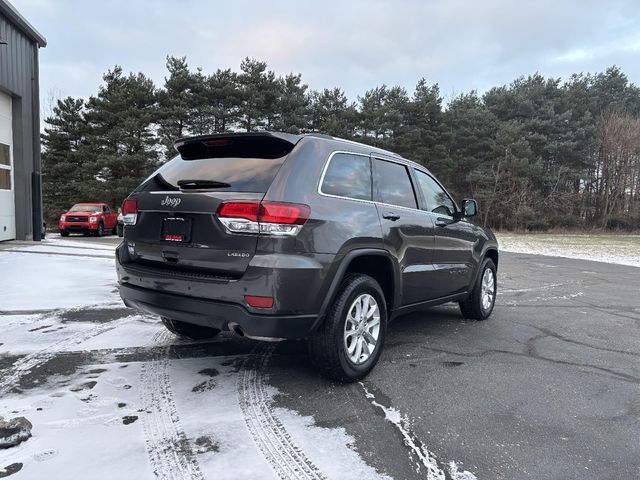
538,154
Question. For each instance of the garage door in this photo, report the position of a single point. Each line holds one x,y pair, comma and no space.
7,198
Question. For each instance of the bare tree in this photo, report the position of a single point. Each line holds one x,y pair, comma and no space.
617,168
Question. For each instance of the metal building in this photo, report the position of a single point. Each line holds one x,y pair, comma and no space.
20,186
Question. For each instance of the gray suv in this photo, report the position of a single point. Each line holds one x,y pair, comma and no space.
278,236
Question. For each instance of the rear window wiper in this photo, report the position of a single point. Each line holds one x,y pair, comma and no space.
201,184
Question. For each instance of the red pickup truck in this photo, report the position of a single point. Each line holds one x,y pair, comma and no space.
88,218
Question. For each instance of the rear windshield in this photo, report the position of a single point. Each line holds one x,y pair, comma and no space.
86,208
241,174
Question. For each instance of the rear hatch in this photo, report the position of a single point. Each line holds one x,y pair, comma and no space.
177,231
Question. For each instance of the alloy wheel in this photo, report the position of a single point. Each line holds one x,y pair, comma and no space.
362,328
488,289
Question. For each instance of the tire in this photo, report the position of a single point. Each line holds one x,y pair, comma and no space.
329,345
100,230
120,230
472,307
189,330
64,233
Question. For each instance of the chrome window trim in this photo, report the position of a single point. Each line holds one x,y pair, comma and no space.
370,156
324,172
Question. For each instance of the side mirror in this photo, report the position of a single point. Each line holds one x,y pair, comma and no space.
469,208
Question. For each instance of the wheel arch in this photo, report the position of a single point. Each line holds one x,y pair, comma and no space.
378,264
492,253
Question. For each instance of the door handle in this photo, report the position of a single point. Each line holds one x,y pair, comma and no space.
391,216
443,222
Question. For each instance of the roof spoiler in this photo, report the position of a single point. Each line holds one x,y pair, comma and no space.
239,145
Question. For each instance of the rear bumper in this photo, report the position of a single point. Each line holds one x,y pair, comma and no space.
221,315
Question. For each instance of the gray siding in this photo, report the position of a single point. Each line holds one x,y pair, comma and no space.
18,78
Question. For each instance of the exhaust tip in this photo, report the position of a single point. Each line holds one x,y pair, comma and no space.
235,328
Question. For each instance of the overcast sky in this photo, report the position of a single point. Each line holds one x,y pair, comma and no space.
356,45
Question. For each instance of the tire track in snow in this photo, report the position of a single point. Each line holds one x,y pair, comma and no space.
27,363
169,450
267,432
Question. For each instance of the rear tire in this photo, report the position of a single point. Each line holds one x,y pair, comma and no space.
189,330
64,233
119,230
477,306
348,344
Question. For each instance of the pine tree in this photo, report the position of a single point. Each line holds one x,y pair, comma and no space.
333,114
66,160
425,135
223,94
122,123
176,103
538,153
258,93
293,105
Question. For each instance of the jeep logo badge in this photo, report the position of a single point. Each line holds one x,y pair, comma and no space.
171,202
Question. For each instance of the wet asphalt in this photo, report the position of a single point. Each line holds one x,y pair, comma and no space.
547,388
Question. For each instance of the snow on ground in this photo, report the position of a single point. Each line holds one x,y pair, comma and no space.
215,396
620,249
81,429
54,239
50,275
112,394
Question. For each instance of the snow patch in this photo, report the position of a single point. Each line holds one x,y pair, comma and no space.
458,475
618,249
426,458
80,434
57,240
35,282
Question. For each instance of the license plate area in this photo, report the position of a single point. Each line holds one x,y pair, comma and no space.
176,230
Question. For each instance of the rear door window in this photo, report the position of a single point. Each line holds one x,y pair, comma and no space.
392,185
348,176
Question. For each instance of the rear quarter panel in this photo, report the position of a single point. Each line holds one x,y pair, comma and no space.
336,225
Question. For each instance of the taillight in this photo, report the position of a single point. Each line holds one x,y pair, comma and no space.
246,210
268,218
287,213
130,211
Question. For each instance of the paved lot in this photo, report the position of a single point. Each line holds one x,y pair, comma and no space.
547,388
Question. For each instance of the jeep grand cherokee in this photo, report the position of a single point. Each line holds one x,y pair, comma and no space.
278,236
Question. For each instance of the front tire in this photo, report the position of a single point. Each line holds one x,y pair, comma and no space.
100,230
480,302
189,330
64,233
348,344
